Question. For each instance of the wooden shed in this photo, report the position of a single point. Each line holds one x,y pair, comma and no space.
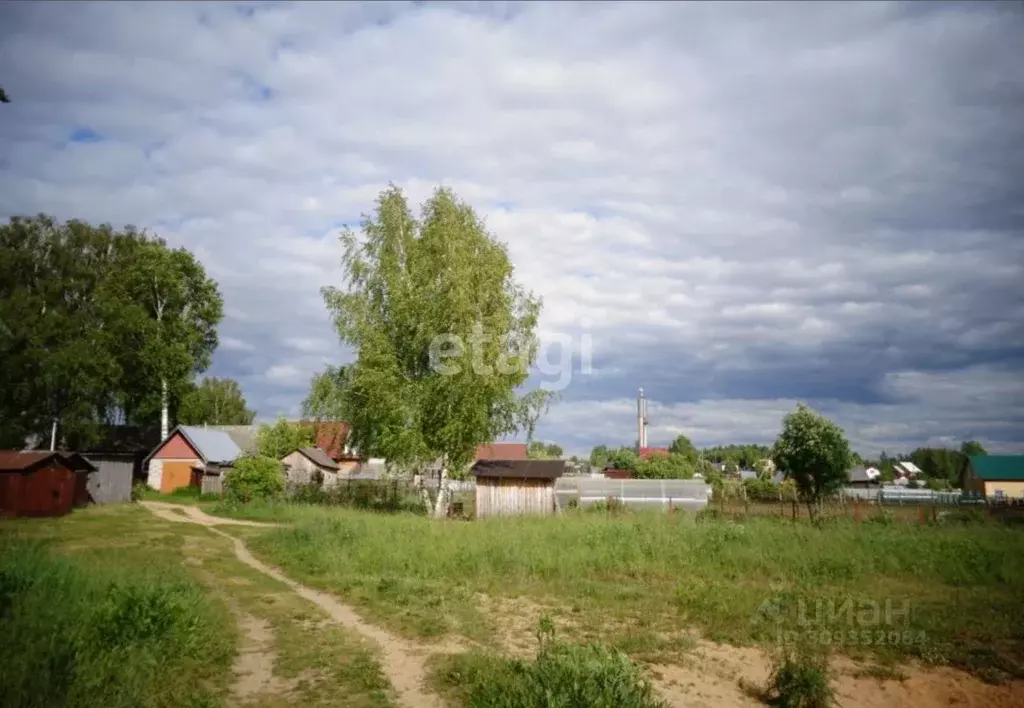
509,487
41,483
187,456
118,456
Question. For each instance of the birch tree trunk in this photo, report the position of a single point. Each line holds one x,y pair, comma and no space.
165,418
442,494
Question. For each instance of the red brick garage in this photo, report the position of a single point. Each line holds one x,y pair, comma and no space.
36,483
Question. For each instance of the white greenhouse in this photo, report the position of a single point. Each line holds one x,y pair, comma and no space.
688,494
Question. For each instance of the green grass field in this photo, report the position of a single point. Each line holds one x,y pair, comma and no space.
639,580
111,606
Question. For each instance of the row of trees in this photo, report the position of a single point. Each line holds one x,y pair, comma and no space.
941,467
537,450
98,326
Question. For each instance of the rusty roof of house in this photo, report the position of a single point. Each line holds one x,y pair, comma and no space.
330,436
502,451
520,469
23,460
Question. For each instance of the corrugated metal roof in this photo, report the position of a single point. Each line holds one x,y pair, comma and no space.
243,435
521,469
999,468
319,457
213,445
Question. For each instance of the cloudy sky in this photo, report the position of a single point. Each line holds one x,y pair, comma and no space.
742,205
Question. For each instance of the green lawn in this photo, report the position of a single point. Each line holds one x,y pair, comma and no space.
639,581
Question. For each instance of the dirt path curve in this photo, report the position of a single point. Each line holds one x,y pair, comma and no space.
403,661
197,516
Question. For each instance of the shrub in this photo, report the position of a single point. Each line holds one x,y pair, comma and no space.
568,675
139,491
761,489
708,514
800,679
254,479
611,505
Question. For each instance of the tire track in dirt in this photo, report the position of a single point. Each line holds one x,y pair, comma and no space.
403,660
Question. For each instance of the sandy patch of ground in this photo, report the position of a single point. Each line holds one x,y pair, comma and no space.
254,665
715,675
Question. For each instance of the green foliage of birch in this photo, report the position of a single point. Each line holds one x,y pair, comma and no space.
325,400
442,333
283,437
174,309
214,401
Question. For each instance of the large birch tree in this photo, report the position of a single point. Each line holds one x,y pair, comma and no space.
177,307
443,338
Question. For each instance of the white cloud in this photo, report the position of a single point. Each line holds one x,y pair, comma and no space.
749,204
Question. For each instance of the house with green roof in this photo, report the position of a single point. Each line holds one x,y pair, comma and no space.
994,475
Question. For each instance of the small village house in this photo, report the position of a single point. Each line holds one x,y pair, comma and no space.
332,438
42,483
510,487
309,464
864,477
904,471
191,456
995,476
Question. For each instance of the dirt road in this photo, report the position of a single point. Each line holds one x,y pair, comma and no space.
403,661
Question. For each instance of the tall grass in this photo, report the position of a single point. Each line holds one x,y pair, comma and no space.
566,675
965,585
81,636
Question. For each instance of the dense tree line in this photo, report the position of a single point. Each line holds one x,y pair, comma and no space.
737,456
97,326
940,467
537,450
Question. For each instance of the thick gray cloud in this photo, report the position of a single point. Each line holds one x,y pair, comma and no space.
742,204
